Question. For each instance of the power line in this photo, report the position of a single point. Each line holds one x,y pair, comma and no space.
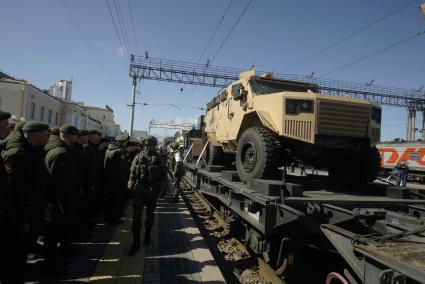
132,24
117,33
123,24
123,33
375,53
215,30
349,36
86,40
230,32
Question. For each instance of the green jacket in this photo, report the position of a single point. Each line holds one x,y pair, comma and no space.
80,162
28,180
115,168
148,172
63,185
97,166
7,219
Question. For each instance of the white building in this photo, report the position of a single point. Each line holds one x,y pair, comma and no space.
106,117
62,90
25,100
54,107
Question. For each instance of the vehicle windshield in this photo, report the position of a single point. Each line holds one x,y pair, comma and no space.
263,86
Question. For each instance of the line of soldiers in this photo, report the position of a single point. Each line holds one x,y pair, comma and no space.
52,181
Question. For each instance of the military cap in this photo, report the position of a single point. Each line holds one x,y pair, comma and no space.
121,138
4,115
69,129
83,132
54,131
19,125
35,126
150,140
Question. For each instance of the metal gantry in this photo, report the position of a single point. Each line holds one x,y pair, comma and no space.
217,76
144,67
170,125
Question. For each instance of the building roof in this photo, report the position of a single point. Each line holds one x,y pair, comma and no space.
107,108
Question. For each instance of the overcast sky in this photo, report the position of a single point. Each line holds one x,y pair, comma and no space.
41,43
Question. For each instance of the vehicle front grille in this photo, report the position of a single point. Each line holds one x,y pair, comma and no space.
298,129
342,119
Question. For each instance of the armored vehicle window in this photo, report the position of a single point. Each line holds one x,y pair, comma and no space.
263,86
298,106
235,90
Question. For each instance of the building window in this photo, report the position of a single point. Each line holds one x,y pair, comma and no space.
32,110
76,122
57,119
42,113
49,118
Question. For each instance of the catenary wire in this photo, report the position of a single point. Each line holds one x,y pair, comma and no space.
83,35
231,30
124,26
133,26
215,30
376,52
349,35
123,35
126,59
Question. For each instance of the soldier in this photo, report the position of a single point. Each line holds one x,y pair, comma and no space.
87,182
23,157
146,175
116,175
7,228
97,199
63,184
178,172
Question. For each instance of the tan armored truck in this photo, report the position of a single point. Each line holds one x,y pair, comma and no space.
269,123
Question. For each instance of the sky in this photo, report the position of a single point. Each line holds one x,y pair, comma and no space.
42,43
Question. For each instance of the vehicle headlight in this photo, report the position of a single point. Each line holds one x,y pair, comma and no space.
294,106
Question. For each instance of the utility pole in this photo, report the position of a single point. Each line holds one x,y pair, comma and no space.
133,104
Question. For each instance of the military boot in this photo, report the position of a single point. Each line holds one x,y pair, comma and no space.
136,244
147,237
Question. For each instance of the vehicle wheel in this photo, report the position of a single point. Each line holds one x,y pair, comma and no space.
214,155
257,155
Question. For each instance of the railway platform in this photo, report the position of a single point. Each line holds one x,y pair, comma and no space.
178,253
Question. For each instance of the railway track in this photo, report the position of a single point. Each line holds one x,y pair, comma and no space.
237,262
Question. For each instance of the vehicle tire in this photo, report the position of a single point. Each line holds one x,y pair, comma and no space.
214,155
258,155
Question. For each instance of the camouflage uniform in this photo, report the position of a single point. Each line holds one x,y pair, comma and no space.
146,174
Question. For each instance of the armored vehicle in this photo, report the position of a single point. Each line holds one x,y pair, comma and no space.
268,123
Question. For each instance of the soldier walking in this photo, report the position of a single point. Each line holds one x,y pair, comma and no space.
147,174
116,175
23,158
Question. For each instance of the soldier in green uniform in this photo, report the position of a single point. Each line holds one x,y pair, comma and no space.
63,184
147,174
116,175
23,158
7,222
97,199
